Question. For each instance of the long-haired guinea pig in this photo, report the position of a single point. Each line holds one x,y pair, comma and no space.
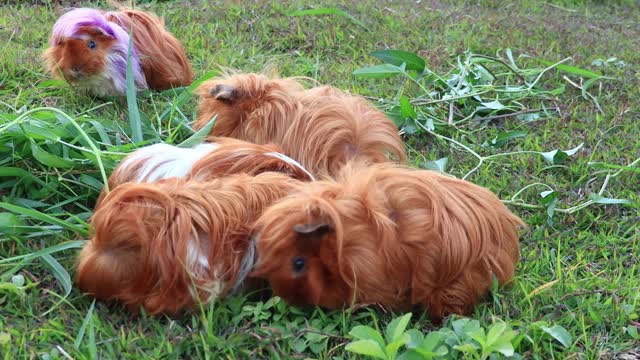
391,235
89,47
206,161
322,127
171,244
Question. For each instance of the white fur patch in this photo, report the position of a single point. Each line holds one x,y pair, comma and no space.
208,281
291,161
162,161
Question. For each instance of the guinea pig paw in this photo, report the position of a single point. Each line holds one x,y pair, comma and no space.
224,92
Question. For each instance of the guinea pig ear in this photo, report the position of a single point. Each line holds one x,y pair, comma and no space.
310,235
311,229
93,31
226,93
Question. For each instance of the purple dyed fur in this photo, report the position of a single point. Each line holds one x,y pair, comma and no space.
68,25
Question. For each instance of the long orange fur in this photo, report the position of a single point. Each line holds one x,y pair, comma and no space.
231,156
167,245
323,128
164,62
389,235
162,57
139,252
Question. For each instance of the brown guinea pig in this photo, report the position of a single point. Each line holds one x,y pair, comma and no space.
89,48
206,161
171,244
322,128
389,235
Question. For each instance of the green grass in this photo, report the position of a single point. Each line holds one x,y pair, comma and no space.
579,270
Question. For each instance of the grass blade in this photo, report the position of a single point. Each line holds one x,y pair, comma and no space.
329,11
398,57
44,217
59,273
379,71
83,328
132,106
571,69
75,244
199,135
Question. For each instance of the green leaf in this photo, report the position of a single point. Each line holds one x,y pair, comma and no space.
43,217
504,137
399,57
379,71
431,342
548,196
329,11
101,132
437,165
479,336
412,355
362,332
43,133
395,114
132,106
406,108
467,348
392,348
199,136
91,182
20,173
366,347
396,328
493,105
5,338
503,347
557,91
571,69
601,165
9,222
59,273
559,333
50,160
607,201
75,244
495,331
415,338
464,326
83,328
558,156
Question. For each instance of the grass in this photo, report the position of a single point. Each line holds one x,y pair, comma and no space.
576,293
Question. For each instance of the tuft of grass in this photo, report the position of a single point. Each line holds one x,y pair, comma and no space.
537,101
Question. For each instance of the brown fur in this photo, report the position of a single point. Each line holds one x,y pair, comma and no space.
162,57
322,128
164,62
389,235
232,156
139,253
73,59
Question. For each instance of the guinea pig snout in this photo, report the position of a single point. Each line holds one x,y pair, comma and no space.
75,71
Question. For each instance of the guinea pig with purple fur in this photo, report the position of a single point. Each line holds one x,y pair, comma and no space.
89,49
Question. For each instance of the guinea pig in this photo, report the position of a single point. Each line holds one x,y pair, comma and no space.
169,245
206,161
89,47
322,128
390,235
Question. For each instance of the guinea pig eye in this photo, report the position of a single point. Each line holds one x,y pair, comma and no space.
298,264
91,44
